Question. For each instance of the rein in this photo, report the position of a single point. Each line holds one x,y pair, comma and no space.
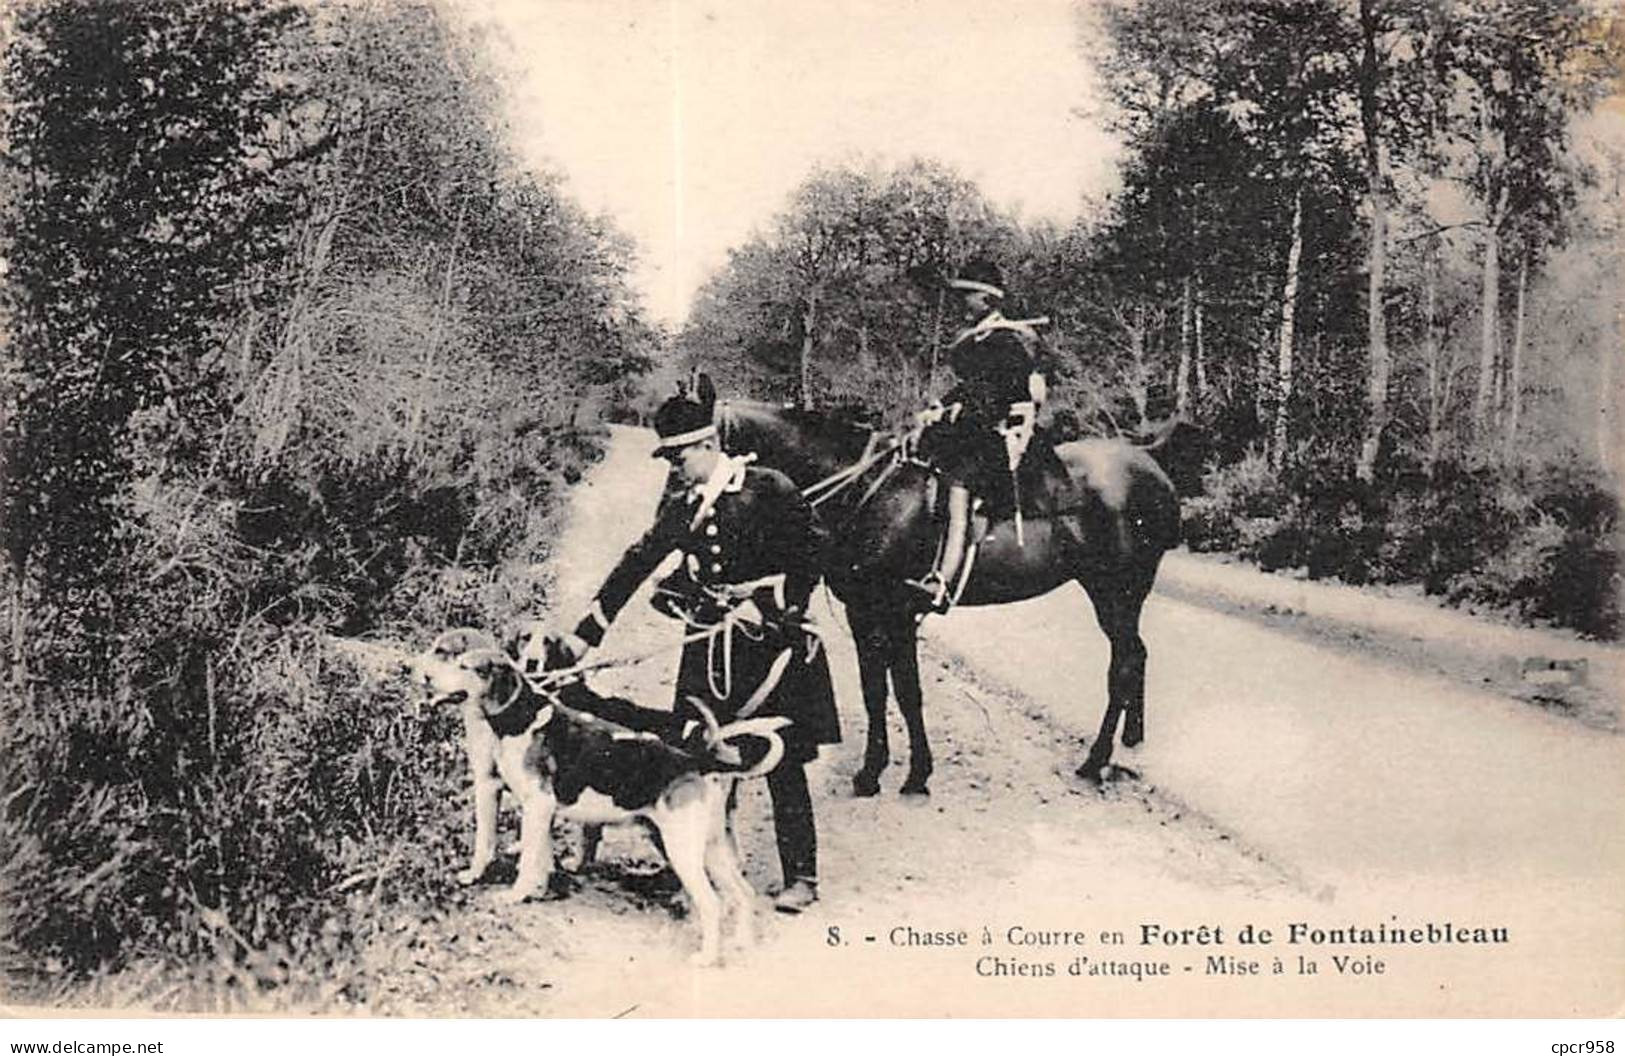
877,447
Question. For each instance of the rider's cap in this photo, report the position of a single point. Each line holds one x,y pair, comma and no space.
980,275
680,422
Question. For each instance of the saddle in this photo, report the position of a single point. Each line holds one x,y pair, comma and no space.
1043,487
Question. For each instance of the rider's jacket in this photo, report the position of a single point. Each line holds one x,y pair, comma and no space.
993,360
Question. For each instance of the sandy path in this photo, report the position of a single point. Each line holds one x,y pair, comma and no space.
1284,782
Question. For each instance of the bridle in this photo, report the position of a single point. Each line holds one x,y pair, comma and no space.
878,447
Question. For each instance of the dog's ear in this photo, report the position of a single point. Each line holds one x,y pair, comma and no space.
461,640
515,636
503,677
554,658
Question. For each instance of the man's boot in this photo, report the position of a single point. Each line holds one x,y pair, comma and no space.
797,837
938,584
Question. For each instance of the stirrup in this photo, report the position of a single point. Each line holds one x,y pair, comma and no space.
935,590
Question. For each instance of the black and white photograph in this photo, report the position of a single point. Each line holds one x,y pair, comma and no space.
700,509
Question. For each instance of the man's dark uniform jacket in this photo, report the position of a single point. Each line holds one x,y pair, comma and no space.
747,524
993,361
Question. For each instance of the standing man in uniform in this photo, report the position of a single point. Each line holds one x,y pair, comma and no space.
982,426
751,550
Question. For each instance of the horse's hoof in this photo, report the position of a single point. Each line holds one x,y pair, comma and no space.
1100,773
866,785
914,787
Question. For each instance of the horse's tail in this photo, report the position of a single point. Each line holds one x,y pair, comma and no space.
1164,527
1180,447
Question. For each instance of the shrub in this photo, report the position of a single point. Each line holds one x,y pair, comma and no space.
1237,509
1539,542
1547,548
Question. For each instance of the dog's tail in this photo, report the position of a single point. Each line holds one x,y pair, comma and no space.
717,738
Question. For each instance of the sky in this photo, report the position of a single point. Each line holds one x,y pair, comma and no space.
690,121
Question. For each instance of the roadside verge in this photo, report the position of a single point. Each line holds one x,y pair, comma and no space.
1551,669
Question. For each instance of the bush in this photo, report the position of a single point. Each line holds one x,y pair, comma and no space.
228,799
1545,543
1541,543
1239,507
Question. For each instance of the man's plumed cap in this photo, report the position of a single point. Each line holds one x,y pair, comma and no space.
680,422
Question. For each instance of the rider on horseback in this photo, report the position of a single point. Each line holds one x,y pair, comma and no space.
981,428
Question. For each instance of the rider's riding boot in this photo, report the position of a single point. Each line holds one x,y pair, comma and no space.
939,582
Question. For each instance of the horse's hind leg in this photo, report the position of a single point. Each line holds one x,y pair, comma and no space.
1133,674
1118,602
905,673
873,650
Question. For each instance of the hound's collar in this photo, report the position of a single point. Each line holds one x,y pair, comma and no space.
525,709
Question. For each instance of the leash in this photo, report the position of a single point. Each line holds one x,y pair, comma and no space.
732,620
560,675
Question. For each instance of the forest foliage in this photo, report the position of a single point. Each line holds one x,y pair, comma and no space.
294,349
1370,247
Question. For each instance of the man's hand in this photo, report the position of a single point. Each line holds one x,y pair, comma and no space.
930,416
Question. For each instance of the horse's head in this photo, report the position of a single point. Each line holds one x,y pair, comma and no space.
804,445
694,393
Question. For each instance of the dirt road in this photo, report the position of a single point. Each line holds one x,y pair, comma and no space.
1319,794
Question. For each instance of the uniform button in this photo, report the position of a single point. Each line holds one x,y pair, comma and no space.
716,568
710,529
715,549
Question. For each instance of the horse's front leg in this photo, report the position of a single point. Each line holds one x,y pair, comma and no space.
905,673
873,650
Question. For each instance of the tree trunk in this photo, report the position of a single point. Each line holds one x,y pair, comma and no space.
1201,353
1431,359
1515,369
936,342
1489,324
1493,148
1182,379
1609,434
1137,383
19,631
1376,393
1289,308
809,320
1264,369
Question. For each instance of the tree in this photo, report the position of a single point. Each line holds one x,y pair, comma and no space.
1518,72
126,137
842,290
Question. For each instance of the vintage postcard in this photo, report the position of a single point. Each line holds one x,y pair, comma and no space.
1078,508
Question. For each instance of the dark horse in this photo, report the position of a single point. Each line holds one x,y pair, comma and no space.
1101,512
